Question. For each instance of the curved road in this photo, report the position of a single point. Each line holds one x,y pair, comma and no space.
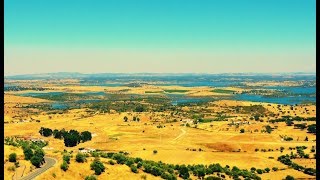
49,163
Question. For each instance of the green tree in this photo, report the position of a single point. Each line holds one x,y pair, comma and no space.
80,158
289,177
125,119
64,166
13,157
184,172
259,171
66,158
36,161
312,128
45,131
97,166
267,170
134,168
28,153
86,136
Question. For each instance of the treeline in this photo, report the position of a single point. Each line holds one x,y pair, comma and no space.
20,88
71,138
290,118
285,159
170,171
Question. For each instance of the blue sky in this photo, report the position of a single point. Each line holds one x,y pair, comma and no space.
116,35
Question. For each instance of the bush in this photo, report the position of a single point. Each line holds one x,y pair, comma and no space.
91,178
64,166
267,170
275,169
259,171
134,168
111,162
97,166
13,157
155,151
81,158
11,168
289,177
45,131
241,130
66,158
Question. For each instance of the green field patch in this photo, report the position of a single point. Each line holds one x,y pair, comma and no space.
150,92
225,91
176,91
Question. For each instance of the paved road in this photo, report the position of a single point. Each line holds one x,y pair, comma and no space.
49,163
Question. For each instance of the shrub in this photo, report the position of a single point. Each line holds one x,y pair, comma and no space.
13,157
111,162
134,168
97,166
155,151
91,178
259,171
64,166
80,158
241,130
11,168
289,177
275,169
66,158
267,170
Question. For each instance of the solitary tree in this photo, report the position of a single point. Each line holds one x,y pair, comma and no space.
13,157
125,119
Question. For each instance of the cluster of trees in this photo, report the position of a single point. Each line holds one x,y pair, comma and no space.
71,138
32,150
285,159
289,119
35,155
170,171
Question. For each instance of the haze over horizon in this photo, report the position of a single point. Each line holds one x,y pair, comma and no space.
159,36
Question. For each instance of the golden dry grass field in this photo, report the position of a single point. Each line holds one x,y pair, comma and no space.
203,143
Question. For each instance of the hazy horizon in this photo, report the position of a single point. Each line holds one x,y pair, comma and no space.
159,36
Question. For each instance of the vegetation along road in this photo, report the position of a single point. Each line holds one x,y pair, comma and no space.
49,163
